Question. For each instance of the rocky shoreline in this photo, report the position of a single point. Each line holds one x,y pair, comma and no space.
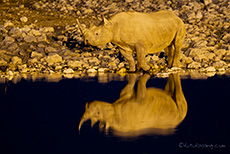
48,45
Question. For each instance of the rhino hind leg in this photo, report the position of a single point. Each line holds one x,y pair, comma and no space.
178,42
128,55
176,56
174,89
179,97
141,53
170,53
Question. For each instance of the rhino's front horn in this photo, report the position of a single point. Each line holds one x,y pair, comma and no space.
82,30
83,119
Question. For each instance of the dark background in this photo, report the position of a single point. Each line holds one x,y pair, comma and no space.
41,117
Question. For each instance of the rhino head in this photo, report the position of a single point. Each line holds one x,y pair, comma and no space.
96,111
97,36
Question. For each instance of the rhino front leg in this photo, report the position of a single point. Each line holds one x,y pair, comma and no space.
141,88
141,53
128,55
128,91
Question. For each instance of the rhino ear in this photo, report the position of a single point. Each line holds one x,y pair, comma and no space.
91,26
106,22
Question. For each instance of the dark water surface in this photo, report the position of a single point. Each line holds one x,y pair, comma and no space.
42,117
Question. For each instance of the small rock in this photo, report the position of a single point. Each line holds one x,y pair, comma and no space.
13,46
24,19
218,64
57,68
32,61
53,58
88,11
94,60
2,51
194,52
8,24
186,60
112,64
155,58
62,38
201,70
210,74
50,49
191,15
70,8
162,75
226,37
36,5
40,45
16,60
220,52
8,40
15,32
35,32
91,70
68,71
128,1
204,57
147,58
42,38
122,70
221,69
77,51
206,2
103,70
175,69
86,54
47,29
21,6
210,69
2,62
199,15
74,64
25,29
36,55
227,57
29,38
201,44
194,65
10,73
23,68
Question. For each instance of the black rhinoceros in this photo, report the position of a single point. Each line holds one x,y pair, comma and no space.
141,32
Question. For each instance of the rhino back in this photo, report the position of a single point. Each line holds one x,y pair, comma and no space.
154,30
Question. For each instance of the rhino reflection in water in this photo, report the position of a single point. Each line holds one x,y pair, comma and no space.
147,111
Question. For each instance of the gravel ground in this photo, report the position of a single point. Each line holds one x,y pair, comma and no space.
41,37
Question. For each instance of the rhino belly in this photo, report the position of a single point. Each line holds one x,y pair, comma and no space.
158,47
157,111
161,42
